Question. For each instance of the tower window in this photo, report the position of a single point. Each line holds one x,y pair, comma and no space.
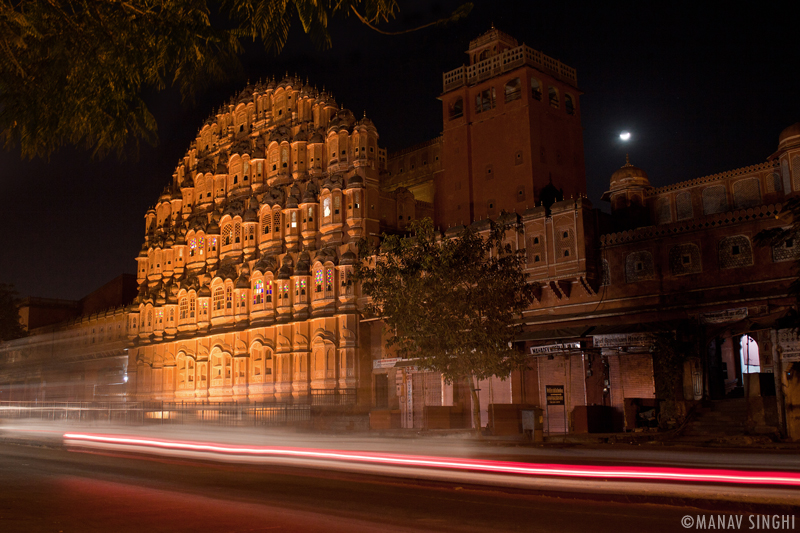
485,100
552,94
457,109
536,89
513,90
569,105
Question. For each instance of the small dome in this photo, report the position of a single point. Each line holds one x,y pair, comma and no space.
316,138
348,258
204,292
356,182
629,175
790,136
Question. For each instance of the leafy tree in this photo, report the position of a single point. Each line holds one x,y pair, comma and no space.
449,301
10,327
73,71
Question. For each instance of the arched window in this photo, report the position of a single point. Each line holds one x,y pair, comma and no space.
229,297
237,233
552,94
192,246
201,244
265,228
326,207
276,222
268,291
184,308
172,315
227,233
536,89
457,108
258,292
747,193
715,200
192,306
513,90
329,281
569,105
219,298
318,281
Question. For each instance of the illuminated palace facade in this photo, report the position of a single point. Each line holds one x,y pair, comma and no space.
245,289
244,274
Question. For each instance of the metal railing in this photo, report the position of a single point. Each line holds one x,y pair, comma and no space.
140,413
320,397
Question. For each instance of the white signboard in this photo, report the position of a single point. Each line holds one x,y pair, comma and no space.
385,363
556,347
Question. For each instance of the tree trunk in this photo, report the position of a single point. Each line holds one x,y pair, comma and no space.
476,407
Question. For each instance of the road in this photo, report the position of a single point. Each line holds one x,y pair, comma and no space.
50,489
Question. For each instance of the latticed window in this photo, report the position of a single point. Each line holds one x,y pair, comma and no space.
605,273
747,193
213,244
639,267
683,205
276,222
237,232
735,252
663,211
192,306
258,292
685,259
565,243
227,233
268,291
796,172
229,297
201,244
318,281
265,228
300,287
219,298
329,280
535,249
184,308
715,200
192,247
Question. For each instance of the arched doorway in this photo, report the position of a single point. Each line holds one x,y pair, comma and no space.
751,362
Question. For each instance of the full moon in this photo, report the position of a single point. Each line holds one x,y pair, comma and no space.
625,135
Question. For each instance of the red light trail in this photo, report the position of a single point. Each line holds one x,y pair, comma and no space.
452,463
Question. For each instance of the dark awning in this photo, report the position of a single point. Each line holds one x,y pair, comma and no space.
553,334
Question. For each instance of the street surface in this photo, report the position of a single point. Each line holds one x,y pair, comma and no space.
47,487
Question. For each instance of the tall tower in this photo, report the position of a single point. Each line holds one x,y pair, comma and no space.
512,126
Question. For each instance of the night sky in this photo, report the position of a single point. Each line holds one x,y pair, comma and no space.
701,90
